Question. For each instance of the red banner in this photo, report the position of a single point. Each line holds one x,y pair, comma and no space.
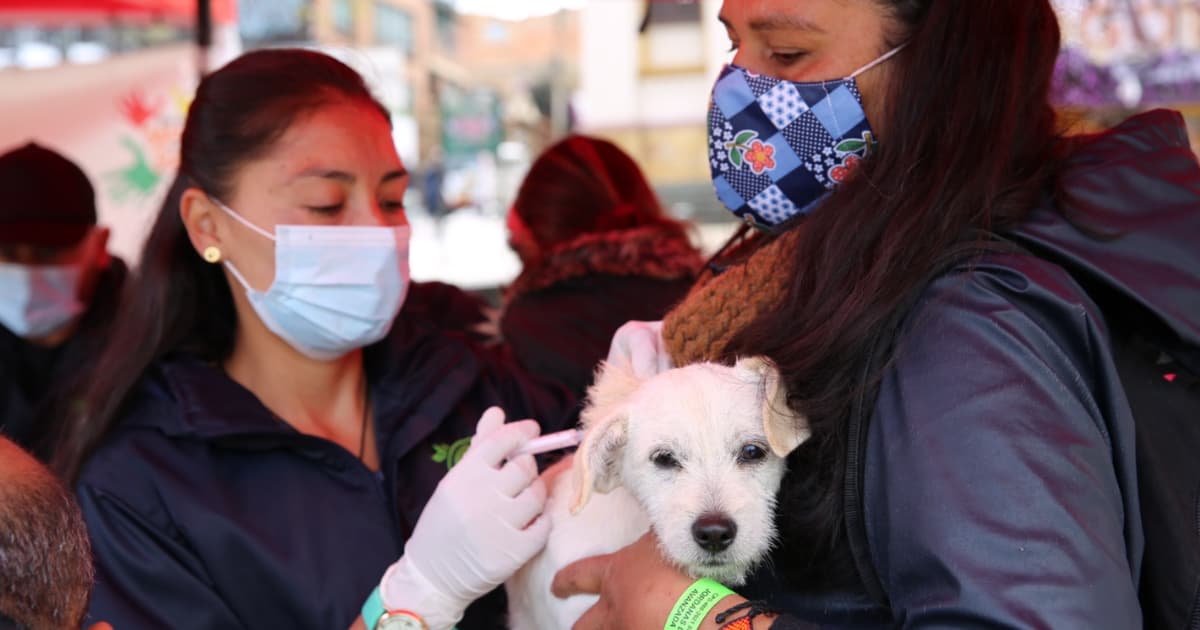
223,11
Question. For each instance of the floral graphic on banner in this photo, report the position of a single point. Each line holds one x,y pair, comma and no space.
138,109
136,181
151,144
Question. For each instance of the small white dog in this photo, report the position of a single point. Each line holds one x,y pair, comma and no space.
696,453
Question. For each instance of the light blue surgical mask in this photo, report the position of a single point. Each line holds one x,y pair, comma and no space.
37,300
337,288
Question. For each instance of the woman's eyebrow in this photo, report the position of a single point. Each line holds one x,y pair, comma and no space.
326,173
778,22
396,174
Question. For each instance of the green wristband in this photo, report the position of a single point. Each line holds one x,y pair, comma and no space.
695,603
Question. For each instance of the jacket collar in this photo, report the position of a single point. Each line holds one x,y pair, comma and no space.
1137,187
417,377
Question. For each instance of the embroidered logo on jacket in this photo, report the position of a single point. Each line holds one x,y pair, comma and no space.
450,454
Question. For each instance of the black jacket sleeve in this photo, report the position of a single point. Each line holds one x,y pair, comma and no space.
145,577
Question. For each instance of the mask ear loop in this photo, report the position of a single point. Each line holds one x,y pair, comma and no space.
243,220
239,277
246,222
882,58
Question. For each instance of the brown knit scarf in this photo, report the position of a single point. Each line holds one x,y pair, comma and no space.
719,306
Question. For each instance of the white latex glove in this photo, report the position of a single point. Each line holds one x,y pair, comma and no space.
482,523
638,346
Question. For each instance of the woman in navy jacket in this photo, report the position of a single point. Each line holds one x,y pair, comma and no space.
263,435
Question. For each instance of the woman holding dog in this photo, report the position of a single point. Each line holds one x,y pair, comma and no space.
264,436
900,159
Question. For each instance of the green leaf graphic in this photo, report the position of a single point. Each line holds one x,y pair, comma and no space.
850,146
136,181
735,158
745,136
457,450
451,454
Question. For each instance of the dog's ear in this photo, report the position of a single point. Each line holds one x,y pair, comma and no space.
611,387
785,428
597,462
605,423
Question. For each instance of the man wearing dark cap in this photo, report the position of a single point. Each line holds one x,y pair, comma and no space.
58,291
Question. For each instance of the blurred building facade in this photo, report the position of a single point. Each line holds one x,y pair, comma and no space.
534,67
646,74
396,44
458,85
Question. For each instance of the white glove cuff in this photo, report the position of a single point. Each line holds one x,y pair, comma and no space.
403,587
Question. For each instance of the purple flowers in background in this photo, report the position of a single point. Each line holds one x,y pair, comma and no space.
1077,81
1162,79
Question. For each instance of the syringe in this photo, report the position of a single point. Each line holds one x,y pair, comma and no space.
550,442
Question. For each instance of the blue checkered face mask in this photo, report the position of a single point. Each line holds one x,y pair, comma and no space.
777,147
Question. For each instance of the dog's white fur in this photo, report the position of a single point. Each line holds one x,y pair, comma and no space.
704,416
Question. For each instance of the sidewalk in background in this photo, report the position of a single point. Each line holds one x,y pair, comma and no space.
470,249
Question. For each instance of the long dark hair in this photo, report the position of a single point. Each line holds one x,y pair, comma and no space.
971,144
178,302
584,185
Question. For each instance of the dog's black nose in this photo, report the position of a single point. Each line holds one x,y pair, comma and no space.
714,532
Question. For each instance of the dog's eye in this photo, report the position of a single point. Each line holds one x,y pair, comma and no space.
751,453
664,459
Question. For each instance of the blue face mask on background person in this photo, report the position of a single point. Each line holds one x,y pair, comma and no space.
337,288
36,300
777,147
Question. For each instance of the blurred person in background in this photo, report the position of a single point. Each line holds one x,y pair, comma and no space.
433,181
263,436
59,288
597,250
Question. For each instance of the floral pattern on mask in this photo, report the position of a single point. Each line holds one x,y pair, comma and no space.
745,149
777,147
760,156
852,151
833,165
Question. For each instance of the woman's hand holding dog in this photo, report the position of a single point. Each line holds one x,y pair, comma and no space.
637,589
481,525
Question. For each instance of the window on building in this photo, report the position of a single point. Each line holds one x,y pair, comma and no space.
671,12
343,16
672,40
394,27
496,33
273,21
446,26
30,46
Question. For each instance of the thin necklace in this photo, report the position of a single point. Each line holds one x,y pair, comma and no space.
362,438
